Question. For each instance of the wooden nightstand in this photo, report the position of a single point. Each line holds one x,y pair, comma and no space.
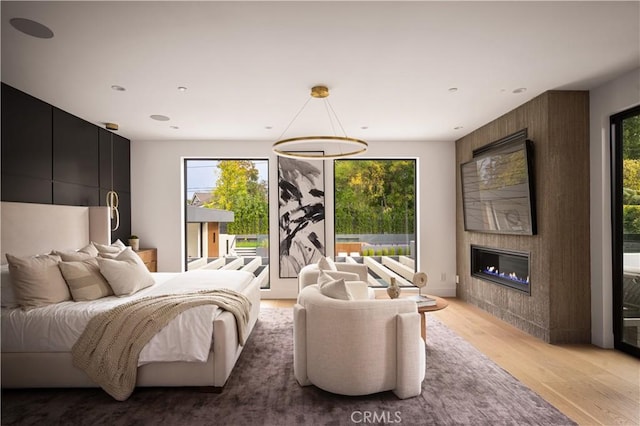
150,258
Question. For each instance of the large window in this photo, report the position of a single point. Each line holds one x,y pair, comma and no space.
227,215
375,217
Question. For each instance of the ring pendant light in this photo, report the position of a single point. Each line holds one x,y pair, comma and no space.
294,147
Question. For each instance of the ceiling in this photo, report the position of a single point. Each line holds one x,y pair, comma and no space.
391,67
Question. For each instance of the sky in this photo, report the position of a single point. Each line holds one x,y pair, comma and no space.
203,174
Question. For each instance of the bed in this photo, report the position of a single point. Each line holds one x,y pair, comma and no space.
37,354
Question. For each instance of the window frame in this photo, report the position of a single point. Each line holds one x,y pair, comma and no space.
416,202
185,191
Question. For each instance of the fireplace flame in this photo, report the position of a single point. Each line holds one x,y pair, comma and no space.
492,270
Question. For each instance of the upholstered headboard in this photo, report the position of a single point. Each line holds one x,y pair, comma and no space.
29,229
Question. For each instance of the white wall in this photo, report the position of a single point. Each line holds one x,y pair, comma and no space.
606,100
157,202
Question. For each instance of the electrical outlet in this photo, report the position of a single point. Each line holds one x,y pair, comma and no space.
443,276
457,279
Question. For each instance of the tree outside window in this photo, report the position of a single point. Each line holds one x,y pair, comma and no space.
375,211
631,175
227,213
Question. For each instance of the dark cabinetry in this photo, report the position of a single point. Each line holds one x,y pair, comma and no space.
52,157
25,189
75,150
71,194
27,151
114,158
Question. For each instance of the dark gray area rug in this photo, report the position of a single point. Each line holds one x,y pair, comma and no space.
462,387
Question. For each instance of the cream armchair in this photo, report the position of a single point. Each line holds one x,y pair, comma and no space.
358,347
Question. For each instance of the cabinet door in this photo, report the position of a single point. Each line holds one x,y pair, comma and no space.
26,134
121,162
75,150
23,189
71,194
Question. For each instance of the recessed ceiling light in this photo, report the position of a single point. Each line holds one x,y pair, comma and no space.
174,127
182,89
118,88
159,117
453,89
520,90
268,127
364,127
32,28
457,128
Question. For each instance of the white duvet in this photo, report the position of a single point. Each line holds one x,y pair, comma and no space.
55,328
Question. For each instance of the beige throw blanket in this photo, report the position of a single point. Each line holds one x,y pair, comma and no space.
110,345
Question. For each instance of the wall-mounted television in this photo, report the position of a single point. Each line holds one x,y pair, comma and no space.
497,187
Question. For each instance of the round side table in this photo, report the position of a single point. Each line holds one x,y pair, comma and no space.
422,310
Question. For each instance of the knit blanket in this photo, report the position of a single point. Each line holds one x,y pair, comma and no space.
110,345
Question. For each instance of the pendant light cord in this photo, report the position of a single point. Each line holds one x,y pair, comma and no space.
111,134
294,118
336,117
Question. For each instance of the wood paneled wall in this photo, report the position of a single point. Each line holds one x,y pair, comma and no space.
559,307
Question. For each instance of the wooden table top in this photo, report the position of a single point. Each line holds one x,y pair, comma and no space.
440,304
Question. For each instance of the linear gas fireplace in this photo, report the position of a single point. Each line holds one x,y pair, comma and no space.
504,267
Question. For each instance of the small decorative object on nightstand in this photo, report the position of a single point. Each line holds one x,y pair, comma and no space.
134,242
393,290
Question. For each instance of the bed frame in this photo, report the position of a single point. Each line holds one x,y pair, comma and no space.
29,229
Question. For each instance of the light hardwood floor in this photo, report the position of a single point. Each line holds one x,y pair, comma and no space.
592,386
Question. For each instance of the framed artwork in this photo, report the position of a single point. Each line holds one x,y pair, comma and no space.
301,213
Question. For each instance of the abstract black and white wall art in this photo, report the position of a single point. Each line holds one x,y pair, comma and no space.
301,214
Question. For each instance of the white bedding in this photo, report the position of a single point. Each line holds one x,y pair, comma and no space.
55,328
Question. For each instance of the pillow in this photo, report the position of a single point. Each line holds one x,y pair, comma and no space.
37,281
335,289
360,290
90,249
126,274
109,255
113,248
86,252
119,244
7,294
327,264
347,276
84,280
71,256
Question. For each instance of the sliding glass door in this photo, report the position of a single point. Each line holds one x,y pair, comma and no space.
625,138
